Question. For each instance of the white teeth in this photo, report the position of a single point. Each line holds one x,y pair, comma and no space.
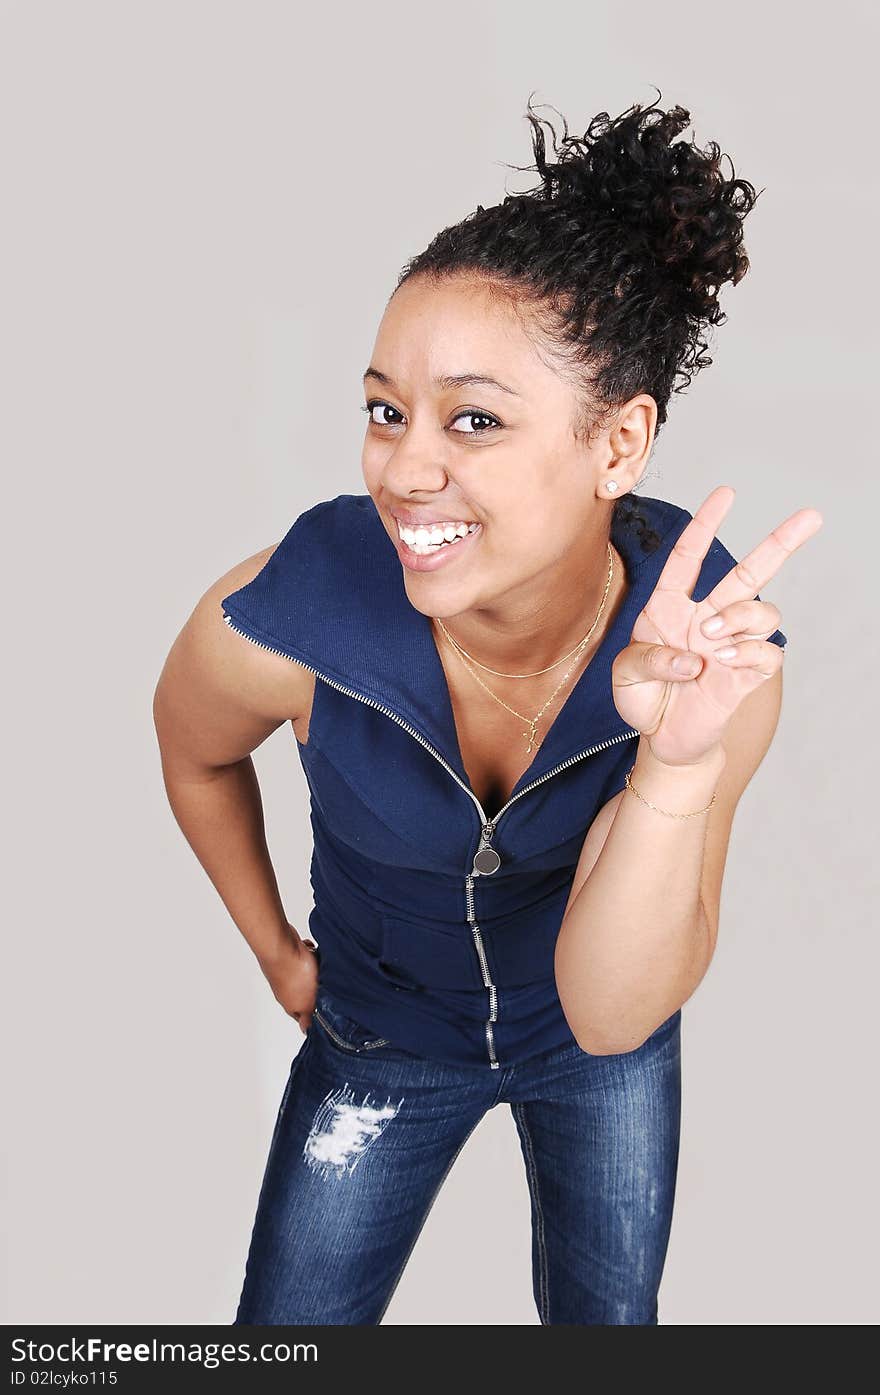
431,536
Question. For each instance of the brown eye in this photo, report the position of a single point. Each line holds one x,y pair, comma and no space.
477,416
384,408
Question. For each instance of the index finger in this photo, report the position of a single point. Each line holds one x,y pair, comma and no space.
683,565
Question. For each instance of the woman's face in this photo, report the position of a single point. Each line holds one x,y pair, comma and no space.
501,455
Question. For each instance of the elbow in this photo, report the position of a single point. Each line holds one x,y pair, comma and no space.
611,1033
594,1042
618,1044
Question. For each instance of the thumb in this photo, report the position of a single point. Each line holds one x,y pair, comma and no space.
661,661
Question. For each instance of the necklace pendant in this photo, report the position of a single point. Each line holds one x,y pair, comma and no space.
531,735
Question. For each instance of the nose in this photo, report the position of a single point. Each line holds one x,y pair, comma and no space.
414,466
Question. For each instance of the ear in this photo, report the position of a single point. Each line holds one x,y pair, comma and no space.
629,445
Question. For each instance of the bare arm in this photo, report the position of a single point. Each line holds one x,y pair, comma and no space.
641,923
217,699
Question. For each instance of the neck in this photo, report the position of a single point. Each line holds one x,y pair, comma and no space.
523,636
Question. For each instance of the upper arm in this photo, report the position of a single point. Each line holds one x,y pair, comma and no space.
219,696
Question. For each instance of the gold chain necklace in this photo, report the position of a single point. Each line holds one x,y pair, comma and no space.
550,667
531,734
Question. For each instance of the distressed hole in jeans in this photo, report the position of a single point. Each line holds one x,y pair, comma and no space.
343,1130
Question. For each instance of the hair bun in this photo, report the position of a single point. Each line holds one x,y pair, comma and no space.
682,218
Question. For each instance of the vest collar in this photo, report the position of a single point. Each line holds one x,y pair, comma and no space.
332,596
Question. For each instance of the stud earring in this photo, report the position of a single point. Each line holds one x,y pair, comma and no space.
611,486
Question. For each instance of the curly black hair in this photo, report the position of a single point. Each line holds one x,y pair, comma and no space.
619,253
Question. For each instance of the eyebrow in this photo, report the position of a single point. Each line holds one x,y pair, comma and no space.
448,381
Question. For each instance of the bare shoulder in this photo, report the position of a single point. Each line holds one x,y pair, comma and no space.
219,695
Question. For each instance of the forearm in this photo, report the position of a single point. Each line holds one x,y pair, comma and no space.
220,812
634,941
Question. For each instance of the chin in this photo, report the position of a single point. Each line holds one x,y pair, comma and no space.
434,599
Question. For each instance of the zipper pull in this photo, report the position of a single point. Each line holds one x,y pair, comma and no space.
486,859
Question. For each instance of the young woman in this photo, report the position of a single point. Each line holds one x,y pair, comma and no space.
526,705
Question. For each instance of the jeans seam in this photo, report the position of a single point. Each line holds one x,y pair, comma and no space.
433,1198
532,1178
285,1098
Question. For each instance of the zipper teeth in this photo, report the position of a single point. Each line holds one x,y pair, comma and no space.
367,1045
490,1042
600,746
481,954
486,822
484,969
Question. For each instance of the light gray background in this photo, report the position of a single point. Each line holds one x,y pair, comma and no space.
205,206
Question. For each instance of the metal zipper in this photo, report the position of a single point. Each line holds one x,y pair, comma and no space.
486,859
346,1045
484,969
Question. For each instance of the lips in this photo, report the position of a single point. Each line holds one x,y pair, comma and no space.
410,519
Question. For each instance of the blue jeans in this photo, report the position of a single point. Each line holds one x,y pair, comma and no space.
366,1134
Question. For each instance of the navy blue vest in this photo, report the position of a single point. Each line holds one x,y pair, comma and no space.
436,919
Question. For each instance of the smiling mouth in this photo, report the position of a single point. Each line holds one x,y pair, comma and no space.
433,537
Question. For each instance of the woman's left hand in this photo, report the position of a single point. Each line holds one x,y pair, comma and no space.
683,717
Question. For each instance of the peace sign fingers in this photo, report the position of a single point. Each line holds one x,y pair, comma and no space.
751,574
684,563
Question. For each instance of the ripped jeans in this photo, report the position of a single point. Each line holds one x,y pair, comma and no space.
366,1134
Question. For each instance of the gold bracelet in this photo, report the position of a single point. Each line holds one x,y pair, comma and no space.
631,787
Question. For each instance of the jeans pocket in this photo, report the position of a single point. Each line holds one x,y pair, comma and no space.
342,1030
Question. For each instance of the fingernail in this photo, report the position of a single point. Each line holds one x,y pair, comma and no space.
728,652
686,664
711,627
